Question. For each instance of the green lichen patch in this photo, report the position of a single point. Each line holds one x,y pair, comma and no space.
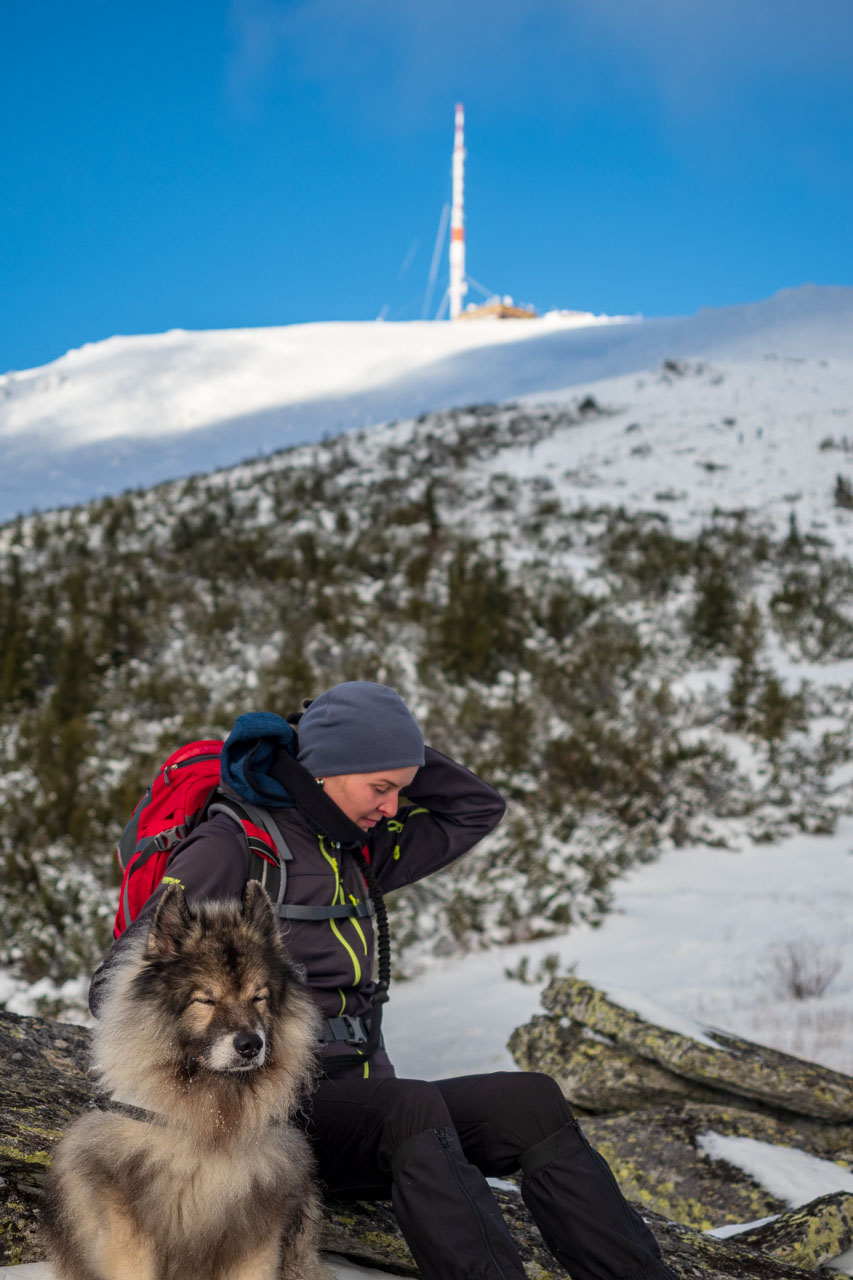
727,1062
20,1238
597,1075
654,1157
810,1235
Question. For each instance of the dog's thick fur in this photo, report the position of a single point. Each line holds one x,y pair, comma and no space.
207,1029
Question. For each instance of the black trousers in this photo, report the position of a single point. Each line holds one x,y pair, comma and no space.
428,1146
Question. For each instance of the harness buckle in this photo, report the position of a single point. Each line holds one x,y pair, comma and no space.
355,1027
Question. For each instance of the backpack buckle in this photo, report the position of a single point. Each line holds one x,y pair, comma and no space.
345,1027
355,1027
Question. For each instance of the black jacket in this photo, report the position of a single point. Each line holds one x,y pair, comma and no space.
443,813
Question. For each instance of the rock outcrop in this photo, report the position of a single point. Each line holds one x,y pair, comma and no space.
651,1097
710,1059
649,1135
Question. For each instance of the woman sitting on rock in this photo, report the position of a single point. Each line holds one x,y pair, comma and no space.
354,793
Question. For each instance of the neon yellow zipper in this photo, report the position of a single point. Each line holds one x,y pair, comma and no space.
338,896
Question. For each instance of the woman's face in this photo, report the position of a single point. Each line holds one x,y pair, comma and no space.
367,798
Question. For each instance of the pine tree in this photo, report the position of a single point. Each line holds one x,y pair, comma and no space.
747,673
714,620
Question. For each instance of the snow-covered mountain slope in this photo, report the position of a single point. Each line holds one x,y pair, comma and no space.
627,603
769,436
133,411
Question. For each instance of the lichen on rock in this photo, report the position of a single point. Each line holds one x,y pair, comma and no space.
725,1061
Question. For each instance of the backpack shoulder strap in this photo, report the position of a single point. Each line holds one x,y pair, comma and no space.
272,876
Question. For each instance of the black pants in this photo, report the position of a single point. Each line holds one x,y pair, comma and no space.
427,1146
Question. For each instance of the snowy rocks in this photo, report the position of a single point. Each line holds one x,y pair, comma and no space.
671,1160
707,1129
45,1086
808,1235
707,1058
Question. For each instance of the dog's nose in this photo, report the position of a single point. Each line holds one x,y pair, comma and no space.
248,1044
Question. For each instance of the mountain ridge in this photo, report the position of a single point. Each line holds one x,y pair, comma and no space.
216,398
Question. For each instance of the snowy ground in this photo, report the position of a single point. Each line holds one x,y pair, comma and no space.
700,933
764,435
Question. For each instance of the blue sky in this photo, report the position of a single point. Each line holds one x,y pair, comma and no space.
221,163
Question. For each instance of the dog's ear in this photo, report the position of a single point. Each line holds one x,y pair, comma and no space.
171,921
258,912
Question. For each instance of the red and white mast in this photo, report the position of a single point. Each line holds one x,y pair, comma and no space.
458,287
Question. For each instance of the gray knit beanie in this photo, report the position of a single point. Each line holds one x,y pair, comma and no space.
359,727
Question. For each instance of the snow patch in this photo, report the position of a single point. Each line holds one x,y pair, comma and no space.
793,1176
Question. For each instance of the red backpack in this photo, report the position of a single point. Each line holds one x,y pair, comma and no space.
177,800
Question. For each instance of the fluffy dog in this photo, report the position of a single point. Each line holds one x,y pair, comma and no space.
205,1043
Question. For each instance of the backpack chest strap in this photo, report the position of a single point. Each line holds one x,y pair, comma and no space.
341,911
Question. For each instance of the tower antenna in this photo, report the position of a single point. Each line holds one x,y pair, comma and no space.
458,287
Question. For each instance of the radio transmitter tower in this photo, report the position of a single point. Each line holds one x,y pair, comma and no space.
458,285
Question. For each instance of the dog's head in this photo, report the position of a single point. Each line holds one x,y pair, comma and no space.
219,974
206,1020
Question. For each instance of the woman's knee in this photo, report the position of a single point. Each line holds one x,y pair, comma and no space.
501,1115
531,1092
534,1106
